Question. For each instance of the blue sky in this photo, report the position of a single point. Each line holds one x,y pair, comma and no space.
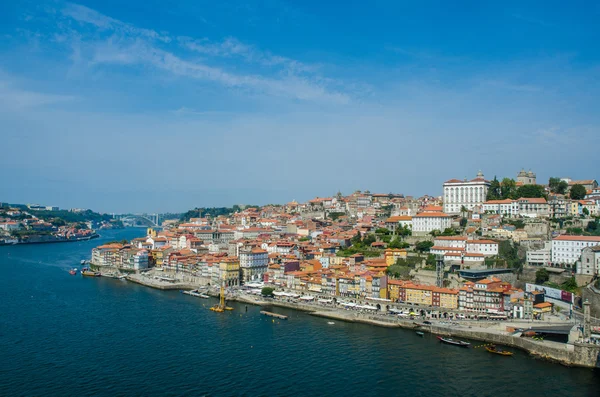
143,106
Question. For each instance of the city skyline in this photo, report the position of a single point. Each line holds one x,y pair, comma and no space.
211,105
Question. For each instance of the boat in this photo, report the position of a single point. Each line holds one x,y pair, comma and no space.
83,261
122,277
454,342
73,272
196,293
330,322
421,334
90,273
494,349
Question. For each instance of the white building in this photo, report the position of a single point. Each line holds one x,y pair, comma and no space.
468,194
541,257
140,260
528,207
566,250
253,264
508,207
426,222
484,247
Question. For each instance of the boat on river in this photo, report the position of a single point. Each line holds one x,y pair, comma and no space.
496,350
89,273
454,342
421,334
73,272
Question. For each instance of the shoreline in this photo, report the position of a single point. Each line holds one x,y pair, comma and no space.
568,354
52,241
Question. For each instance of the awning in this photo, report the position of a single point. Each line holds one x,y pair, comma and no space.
307,298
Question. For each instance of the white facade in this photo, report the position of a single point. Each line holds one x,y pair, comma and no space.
590,261
427,222
140,260
566,250
541,257
254,264
485,247
468,194
508,207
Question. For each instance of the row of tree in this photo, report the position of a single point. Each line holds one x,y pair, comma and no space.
508,189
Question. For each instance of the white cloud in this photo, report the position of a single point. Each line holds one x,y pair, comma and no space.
87,15
13,98
128,45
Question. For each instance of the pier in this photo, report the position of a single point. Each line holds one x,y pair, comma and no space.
270,314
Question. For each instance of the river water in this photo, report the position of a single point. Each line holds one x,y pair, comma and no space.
68,335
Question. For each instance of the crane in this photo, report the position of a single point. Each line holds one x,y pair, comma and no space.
221,306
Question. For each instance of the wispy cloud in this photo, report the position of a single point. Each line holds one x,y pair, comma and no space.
14,98
128,44
87,15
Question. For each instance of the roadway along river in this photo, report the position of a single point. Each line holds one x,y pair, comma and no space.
68,335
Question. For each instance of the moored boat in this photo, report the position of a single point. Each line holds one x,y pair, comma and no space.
73,272
90,273
454,342
421,334
494,349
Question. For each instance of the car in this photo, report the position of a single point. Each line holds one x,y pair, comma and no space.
427,322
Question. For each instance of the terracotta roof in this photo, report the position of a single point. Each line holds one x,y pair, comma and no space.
577,238
431,215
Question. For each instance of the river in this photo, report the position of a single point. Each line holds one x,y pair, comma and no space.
69,335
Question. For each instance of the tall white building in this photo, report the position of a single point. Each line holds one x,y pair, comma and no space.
253,264
566,250
464,193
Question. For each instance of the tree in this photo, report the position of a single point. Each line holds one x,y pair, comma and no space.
397,243
494,190
430,261
335,215
403,230
508,188
463,222
541,276
382,230
530,191
577,192
267,291
423,246
570,285
586,212
557,186
449,232
368,240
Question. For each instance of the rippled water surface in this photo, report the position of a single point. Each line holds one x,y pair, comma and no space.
67,335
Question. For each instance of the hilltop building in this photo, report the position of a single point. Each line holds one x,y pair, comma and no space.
465,193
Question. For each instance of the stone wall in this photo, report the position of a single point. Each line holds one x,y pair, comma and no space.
592,295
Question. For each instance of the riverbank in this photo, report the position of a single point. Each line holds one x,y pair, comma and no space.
51,241
568,354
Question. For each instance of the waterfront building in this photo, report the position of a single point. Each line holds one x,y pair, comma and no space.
468,194
566,250
254,264
426,222
483,296
229,271
106,255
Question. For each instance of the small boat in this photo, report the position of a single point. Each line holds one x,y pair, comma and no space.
83,261
421,334
454,342
122,277
73,272
90,273
494,349
330,322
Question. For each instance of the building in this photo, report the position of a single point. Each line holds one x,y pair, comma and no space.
566,250
483,296
253,264
391,255
426,222
590,261
540,257
468,194
526,178
527,207
484,247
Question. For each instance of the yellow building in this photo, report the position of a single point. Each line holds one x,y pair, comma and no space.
419,294
448,298
229,271
393,254
151,232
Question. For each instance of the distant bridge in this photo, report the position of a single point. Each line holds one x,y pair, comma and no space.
145,220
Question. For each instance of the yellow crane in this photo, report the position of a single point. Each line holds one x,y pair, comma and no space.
221,306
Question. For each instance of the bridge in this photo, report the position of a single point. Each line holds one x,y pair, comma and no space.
139,220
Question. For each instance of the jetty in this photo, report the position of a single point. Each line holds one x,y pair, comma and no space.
270,314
